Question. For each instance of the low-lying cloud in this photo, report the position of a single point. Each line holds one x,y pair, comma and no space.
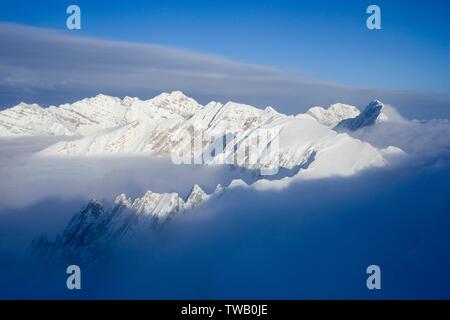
27,180
415,138
287,244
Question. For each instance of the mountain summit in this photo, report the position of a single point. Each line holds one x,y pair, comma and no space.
373,113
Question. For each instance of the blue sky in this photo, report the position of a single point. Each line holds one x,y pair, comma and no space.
323,39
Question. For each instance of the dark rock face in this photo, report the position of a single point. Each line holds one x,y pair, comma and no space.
368,117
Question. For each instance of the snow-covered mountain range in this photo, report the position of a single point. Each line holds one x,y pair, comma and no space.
315,144
105,126
91,115
95,229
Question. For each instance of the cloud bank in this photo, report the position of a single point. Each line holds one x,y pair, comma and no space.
23,176
251,245
52,67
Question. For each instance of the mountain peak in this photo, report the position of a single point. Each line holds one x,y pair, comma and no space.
335,114
196,188
128,101
93,207
374,110
376,102
371,114
176,102
102,96
122,199
173,95
24,105
196,196
270,110
98,100
376,105
218,188
178,94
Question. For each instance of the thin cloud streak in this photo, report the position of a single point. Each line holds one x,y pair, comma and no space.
52,67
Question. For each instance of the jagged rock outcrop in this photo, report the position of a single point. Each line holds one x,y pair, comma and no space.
371,115
95,229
